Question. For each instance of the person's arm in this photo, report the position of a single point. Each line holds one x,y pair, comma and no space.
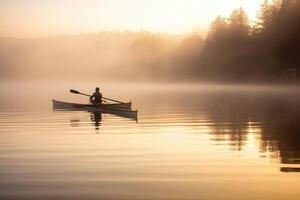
91,97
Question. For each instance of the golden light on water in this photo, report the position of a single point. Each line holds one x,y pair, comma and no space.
31,18
181,150
200,130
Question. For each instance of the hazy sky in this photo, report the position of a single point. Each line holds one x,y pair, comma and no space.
31,18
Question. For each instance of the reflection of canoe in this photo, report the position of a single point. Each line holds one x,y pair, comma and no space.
123,110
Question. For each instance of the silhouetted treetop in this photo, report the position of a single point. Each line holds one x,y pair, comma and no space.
239,22
217,28
267,15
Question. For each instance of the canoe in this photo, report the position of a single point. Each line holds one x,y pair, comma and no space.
65,105
119,109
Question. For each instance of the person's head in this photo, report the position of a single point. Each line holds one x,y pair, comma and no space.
97,89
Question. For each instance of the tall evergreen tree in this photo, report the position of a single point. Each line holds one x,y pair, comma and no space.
267,15
217,28
239,22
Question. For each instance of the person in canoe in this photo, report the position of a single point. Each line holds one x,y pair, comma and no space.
96,98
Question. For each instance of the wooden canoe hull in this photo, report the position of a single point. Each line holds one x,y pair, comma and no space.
123,110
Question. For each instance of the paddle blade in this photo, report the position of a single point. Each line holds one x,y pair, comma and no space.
74,91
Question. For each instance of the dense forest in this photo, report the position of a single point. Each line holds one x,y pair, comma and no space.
234,49
267,50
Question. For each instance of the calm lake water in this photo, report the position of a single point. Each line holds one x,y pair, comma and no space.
190,142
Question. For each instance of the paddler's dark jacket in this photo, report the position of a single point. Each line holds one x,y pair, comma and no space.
96,98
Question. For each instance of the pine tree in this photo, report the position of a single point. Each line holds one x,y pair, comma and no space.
239,22
217,28
267,15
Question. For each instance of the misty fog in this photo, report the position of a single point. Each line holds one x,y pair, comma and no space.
233,50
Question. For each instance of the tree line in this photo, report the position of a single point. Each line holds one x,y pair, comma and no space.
267,50
235,49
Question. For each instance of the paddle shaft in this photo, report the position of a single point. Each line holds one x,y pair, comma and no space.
113,100
77,92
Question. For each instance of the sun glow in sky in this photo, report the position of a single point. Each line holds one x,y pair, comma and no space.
32,18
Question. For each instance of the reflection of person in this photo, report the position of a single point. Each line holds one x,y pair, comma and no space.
96,98
97,118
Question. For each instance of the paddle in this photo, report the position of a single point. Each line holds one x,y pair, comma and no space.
77,92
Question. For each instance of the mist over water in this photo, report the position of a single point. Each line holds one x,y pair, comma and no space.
190,142
218,113
233,50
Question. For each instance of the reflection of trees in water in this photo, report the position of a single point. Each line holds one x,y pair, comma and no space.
277,120
283,136
233,132
280,131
